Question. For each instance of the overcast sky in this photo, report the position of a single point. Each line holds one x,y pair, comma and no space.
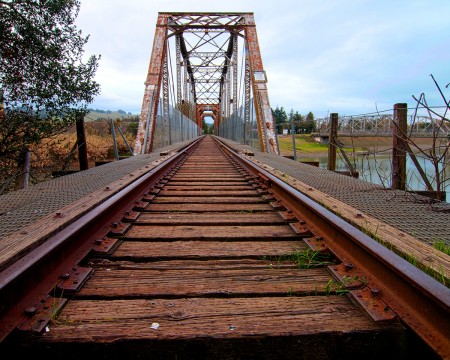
324,56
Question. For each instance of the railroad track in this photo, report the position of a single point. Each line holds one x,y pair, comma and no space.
207,256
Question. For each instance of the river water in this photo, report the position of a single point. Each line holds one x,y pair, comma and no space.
378,169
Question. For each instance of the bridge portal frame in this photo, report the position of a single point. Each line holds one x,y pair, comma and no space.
176,24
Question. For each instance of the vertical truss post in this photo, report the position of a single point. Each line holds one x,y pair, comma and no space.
179,86
149,110
247,95
235,71
228,87
166,109
185,85
264,117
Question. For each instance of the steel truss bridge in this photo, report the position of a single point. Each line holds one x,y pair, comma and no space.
205,65
370,125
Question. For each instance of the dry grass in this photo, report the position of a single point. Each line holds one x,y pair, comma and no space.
59,153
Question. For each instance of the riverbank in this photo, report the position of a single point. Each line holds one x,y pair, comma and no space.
307,148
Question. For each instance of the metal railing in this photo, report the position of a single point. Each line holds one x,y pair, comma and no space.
236,128
173,127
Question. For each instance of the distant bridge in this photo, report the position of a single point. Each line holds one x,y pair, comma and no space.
383,126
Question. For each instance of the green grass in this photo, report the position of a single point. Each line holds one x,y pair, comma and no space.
340,288
303,259
442,246
305,144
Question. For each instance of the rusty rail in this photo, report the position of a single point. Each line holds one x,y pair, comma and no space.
52,259
391,287
419,300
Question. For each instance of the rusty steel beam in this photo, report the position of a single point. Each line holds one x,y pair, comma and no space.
147,121
265,121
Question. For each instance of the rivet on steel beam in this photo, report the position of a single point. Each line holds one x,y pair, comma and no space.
318,238
58,214
98,241
115,225
30,311
302,222
375,292
107,188
64,276
359,215
348,266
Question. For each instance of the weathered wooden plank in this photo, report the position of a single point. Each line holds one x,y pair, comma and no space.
193,283
218,218
207,186
190,264
208,182
108,321
173,232
214,193
206,249
207,177
212,166
208,173
181,207
208,200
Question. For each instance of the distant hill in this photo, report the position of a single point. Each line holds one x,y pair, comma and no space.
97,114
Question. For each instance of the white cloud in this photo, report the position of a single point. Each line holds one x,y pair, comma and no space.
324,56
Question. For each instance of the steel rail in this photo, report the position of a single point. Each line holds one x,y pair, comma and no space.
29,279
419,301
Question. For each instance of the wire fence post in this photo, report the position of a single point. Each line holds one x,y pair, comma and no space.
400,142
332,141
81,143
113,132
293,138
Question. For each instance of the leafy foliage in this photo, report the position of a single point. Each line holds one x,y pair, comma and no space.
280,116
44,83
302,124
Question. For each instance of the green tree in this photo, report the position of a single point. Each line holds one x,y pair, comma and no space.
309,123
280,116
207,128
44,83
298,122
